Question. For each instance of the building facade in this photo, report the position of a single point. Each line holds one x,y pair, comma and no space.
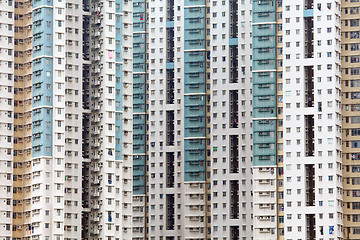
231,120
168,119
66,83
172,120
298,179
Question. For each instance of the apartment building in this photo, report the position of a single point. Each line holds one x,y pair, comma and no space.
169,119
297,120
66,83
350,90
231,120
7,118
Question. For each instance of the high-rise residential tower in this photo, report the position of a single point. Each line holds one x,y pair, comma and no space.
179,119
298,181
231,120
350,81
171,120
66,84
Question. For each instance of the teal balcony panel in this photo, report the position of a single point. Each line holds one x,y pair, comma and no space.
196,88
139,108
233,41
194,121
264,54
138,92
195,131
139,16
139,97
195,44
264,17
139,149
195,67
139,120
264,30
194,176
195,144
39,3
139,189
138,53
119,6
264,160
264,89
139,142
194,22
139,38
261,65
139,58
194,100
194,56
194,111
139,27
139,130
194,78
308,13
170,24
139,78
194,154
264,149
194,166
194,2
139,5
139,67
264,125
264,137
195,34
170,65
264,42
264,77
264,6
265,101
265,112
195,12
139,160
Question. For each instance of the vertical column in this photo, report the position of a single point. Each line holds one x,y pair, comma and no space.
195,117
264,119
87,130
124,139
312,121
60,118
73,88
231,109
98,176
47,121
111,119
350,58
22,125
279,125
140,158
9,185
